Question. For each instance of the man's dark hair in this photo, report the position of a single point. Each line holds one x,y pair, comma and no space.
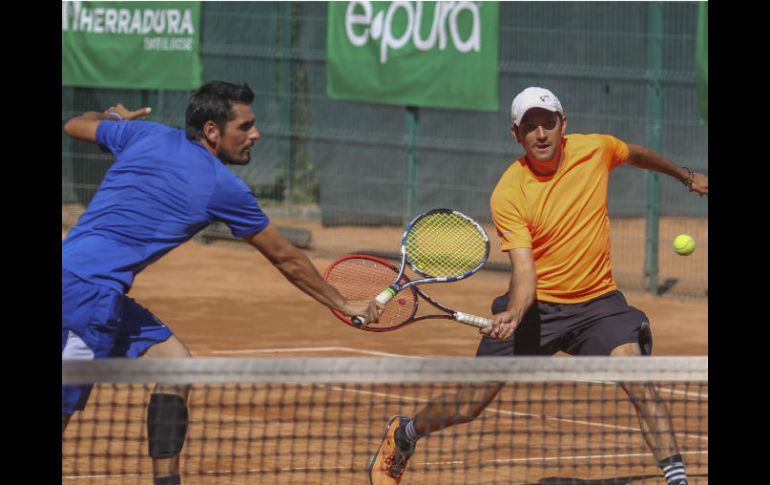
214,101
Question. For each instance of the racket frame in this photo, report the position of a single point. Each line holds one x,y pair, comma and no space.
388,293
450,314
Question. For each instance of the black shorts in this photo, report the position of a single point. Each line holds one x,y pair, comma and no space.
595,327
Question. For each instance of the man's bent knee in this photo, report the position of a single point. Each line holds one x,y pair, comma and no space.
626,350
170,348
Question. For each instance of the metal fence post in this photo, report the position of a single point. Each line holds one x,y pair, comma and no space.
412,159
285,91
653,136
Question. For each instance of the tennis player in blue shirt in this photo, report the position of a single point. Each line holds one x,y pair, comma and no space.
166,185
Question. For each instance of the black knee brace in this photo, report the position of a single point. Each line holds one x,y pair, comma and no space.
169,480
166,425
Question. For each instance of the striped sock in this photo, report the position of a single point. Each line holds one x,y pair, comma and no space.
673,470
410,431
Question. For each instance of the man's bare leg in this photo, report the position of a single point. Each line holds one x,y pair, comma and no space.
655,421
451,409
165,399
389,462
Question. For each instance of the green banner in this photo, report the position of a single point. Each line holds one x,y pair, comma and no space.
134,45
436,54
702,60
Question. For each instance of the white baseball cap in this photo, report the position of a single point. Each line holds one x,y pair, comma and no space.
534,97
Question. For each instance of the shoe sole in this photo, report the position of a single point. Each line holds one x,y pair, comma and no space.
382,441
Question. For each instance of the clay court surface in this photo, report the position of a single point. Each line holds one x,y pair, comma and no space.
225,300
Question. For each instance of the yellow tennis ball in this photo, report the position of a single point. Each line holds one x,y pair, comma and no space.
684,244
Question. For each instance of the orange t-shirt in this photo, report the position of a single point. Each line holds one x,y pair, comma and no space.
563,218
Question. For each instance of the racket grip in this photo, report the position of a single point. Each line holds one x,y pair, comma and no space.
383,298
472,320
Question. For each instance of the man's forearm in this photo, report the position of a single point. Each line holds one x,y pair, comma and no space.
301,273
83,127
643,157
522,293
93,115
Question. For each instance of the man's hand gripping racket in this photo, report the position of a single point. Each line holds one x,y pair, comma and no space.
359,276
441,245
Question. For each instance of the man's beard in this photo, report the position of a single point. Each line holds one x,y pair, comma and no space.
230,161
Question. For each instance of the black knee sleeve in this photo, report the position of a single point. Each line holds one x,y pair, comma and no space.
166,425
169,480
645,338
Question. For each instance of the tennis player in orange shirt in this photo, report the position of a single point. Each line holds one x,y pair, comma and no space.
550,212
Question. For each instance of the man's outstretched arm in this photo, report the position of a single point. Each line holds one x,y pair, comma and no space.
643,157
521,293
299,270
83,127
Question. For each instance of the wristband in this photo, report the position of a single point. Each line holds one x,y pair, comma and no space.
690,177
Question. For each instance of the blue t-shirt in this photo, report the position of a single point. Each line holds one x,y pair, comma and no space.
161,190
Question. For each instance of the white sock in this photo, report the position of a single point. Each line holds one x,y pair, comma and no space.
410,431
673,470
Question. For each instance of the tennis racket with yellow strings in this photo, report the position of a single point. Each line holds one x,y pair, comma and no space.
360,276
441,245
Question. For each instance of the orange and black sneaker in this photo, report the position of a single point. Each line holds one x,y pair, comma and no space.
388,464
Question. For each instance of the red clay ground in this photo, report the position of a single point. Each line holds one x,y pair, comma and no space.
225,299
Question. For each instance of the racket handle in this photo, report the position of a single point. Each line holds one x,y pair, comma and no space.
472,320
383,298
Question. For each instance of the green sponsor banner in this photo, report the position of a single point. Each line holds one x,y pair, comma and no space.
702,60
436,54
134,45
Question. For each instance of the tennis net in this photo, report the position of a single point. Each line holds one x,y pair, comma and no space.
319,420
